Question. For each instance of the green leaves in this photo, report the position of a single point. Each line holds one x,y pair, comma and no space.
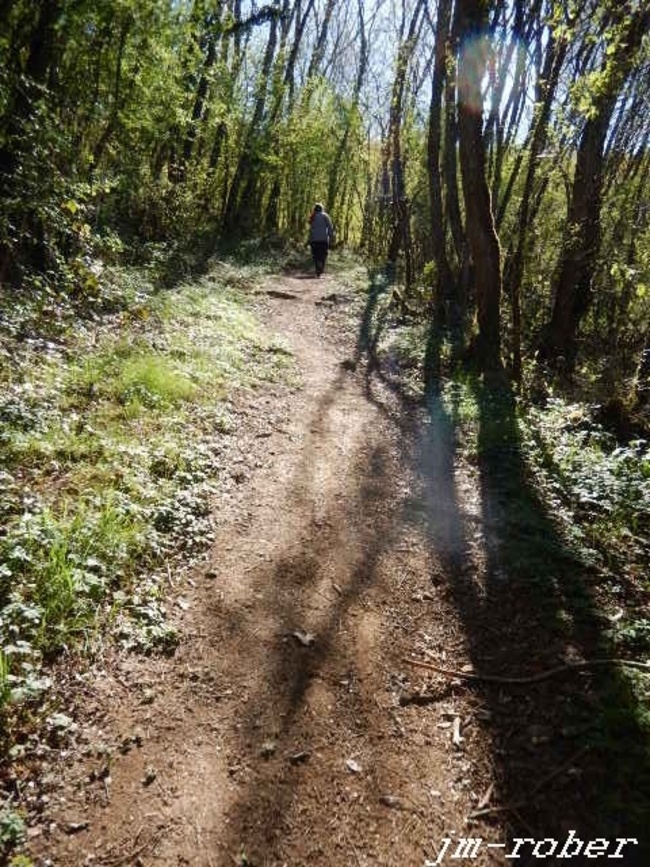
111,457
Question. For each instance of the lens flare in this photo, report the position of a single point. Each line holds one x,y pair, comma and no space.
486,62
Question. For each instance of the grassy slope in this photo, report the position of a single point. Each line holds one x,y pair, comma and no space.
110,454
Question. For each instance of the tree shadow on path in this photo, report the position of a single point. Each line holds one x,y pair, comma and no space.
571,752
344,532
567,753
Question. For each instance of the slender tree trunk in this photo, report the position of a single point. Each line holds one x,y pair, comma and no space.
579,257
401,233
113,120
445,283
333,181
238,199
321,40
221,133
202,90
515,265
642,383
481,232
20,108
25,92
453,216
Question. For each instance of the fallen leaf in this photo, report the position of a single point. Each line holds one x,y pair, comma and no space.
391,801
307,639
149,776
456,735
353,767
76,827
268,749
299,758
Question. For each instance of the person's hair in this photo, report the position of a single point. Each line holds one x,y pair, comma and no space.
318,207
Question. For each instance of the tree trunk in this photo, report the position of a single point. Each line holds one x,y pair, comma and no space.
642,386
401,229
481,232
445,284
453,216
333,181
239,192
515,265
319,48
26,90
579,257
113,120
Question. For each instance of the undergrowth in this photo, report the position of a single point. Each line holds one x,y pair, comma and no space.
565,530
596,490
111,436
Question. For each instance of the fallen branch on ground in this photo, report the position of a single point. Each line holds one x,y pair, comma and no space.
532,678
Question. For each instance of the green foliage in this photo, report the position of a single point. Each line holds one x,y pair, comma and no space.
62,567
116,435
21,861
634,635
608,484
5,690
308,153
12,829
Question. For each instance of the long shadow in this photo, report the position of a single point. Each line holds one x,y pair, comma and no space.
570,753
540,599
290,671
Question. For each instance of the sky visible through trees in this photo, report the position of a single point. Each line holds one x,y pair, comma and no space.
488,164
163,122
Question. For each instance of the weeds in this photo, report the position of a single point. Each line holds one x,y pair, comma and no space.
110,459
12,829
597,491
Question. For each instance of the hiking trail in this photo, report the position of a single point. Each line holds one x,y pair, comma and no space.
287,728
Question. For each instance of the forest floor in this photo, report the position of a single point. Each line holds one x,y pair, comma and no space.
290,727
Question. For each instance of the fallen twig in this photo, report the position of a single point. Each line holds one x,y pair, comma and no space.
532,678
512,808
277,293
130,857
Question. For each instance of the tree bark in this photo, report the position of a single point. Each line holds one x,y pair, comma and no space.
333,181
579,257
26,90
401,230
319,48
453,216
247,163
445,283
515,264
481,231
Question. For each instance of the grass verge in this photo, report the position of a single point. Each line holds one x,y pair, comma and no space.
112,433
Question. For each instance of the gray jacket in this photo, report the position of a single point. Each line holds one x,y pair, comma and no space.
322,228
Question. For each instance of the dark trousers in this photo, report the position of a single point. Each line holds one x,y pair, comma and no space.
319,253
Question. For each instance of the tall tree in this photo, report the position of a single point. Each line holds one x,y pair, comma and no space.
481,231
445,280
628,24
401,230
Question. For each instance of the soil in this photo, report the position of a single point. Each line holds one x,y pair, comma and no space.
289,727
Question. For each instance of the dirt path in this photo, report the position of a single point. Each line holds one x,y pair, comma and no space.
287,729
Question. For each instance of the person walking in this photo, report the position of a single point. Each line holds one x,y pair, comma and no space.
321,236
